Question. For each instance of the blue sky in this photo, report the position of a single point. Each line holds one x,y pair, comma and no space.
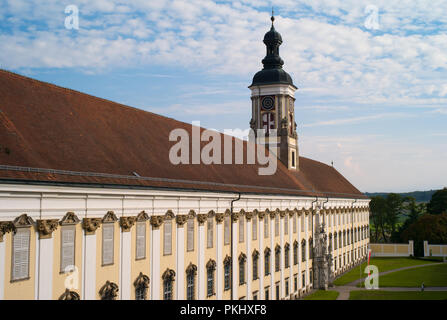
371,74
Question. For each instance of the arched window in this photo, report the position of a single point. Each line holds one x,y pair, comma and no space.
255,257
227,273
335,241
277,258
141,287
191,273
242,260
210,268
340,240
310,247
344,238
267,261
295,252
109,291
303,250
286,255
168,278
330,242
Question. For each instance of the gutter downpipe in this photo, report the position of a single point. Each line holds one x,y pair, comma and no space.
231,237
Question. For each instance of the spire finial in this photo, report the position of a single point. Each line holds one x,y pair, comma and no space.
273,16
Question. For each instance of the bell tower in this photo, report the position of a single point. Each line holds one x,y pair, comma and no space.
272,96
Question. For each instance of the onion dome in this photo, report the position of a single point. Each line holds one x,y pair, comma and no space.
272,73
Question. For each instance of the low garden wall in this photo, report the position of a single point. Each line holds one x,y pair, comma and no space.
392,249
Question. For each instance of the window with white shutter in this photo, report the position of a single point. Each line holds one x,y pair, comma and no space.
210,233
68,235
167,243
276,225
241,229
294,223
266,227
227,230
141,241
254,228
20,254
108,231
190,234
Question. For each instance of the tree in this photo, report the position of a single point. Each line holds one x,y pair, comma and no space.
438,202
413,211
394,206
429,227
378,210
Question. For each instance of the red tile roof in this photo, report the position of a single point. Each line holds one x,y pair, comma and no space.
71,137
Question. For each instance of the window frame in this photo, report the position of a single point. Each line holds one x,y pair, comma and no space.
64,228
140,224
166,252
110,225
13,252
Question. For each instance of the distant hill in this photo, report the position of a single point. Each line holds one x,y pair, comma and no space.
420,196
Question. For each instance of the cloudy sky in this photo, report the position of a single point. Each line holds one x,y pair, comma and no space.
372,75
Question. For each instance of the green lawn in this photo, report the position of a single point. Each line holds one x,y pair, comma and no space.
322,295
431,276
397,295
384,264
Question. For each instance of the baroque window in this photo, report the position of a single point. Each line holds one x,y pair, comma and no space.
209,233
241,229
68,236
168,278
141,240
254,227
191,273
141,287
190,234
255,257
310,247
227,230
167,237
267,261
242,260
20,254
266,227
210,268
108,231
227,273
303,250
295,252
277,258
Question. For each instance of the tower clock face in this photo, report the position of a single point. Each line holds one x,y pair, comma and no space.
268,103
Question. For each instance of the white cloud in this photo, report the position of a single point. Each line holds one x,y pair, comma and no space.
355,120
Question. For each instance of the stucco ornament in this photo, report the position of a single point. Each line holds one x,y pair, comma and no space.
46,227
90,225
126,223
